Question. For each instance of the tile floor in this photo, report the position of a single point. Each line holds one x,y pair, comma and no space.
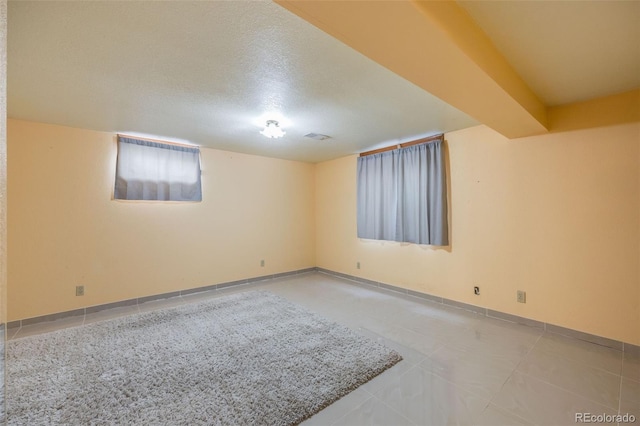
458,367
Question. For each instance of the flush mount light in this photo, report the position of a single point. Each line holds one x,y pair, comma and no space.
273,130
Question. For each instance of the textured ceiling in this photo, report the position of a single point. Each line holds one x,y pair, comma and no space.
566,51
210,73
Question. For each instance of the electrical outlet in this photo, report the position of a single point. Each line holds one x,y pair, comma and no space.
262,263
358,265
522,296
79,290
476,290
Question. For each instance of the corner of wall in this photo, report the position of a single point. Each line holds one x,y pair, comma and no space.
3,162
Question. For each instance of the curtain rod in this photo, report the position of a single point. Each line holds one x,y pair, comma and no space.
429,139
121,135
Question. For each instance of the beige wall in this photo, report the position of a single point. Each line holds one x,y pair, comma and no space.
554,215
3,188
557,216
64,229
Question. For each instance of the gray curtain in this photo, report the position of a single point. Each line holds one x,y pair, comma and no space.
154,171
402,195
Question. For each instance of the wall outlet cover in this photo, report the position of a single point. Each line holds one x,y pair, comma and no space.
522,296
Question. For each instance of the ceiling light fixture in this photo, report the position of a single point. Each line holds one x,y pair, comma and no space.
273,130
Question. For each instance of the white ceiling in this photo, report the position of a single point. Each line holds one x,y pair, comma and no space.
212,73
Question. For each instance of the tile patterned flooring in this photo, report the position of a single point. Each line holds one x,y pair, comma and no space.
458,368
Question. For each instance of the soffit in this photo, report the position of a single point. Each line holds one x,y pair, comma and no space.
566,51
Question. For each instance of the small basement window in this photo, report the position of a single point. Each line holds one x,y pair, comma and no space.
151,170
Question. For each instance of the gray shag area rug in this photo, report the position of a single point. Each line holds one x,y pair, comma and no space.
246,359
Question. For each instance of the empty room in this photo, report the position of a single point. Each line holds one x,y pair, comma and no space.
320,212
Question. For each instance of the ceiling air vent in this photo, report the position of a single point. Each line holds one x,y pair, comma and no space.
317,136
